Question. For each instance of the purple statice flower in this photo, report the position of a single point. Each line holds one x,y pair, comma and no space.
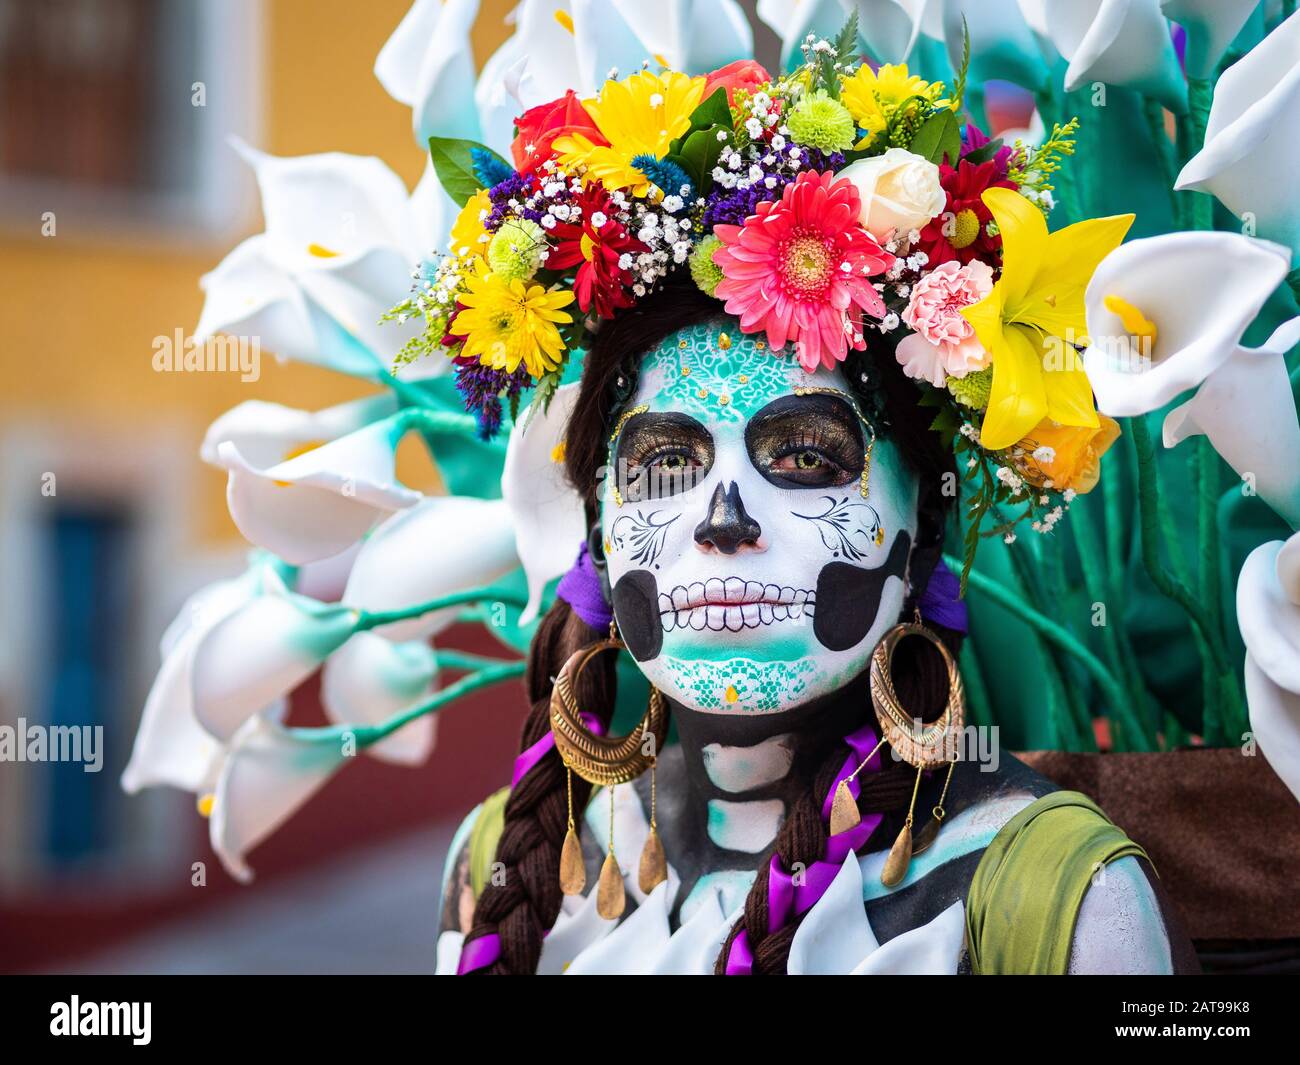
517,187
484,388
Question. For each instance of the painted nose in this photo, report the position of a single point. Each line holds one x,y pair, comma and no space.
727,527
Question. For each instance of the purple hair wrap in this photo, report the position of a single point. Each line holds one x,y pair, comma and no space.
941,602
581,589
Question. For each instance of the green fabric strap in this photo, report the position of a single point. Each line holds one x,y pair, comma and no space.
483,839
1026,893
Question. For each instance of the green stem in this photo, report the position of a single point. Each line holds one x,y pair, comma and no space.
367,734
1200,94
368,620
450,658
1155,115
1086,540
1064,639
1219,676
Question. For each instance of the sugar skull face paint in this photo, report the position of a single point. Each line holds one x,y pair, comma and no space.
749,571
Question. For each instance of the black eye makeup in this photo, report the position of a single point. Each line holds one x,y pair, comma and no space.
661,453
814,440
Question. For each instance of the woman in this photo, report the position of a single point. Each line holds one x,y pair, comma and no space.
756,530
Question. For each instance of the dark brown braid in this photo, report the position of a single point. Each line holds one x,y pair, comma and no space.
527,902
521,905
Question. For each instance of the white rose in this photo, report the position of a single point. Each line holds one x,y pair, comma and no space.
900,191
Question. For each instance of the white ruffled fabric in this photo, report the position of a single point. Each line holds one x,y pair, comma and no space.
835,936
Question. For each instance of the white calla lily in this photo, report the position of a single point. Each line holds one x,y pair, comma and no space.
341,239
546,512
1119,42
694,36
1268,613
269,433
268,773
428,65
171,747
259,653
319,502
370,679
1249,141
443,545
1247,410
1211,25
1200,290
557,45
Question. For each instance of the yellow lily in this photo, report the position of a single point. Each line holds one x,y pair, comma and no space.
1033,316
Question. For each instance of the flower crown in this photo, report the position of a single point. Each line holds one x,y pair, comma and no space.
840,206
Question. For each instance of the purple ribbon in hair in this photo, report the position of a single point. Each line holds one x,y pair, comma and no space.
581,589
941,602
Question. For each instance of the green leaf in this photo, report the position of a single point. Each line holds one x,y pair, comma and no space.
938,138
699,155
715,111
984,152
455,168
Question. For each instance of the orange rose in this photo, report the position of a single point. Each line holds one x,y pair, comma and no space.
742,74
1067,455
539,126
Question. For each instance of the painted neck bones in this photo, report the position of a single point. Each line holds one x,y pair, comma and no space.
750,569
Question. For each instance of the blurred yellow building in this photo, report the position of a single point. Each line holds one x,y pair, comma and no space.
118,190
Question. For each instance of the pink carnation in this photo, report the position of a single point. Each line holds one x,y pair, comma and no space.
800,270
944,343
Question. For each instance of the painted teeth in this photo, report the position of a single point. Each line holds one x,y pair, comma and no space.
731,605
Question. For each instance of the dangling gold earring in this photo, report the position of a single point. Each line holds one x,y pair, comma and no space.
607,761
926,748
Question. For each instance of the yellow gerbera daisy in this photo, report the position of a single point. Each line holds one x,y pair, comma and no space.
872,96
468,237
505,322
640,115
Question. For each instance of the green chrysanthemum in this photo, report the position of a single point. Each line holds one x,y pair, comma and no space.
516,249
821,122
973,389
705,272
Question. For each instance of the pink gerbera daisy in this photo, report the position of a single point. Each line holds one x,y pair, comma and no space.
799,269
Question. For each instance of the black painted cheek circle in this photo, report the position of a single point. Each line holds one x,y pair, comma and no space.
636,606
848,597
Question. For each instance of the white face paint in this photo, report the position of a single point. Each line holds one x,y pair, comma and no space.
749,571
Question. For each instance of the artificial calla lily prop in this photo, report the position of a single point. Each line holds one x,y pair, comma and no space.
397,568
1268,611
342,236
370,679
1118,42
1249,141
171,746
268,771
545,511
1033,316
318,501
1167,314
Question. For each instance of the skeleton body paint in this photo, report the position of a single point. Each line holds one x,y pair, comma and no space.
749,572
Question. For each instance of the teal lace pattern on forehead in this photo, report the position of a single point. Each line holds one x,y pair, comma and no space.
714,372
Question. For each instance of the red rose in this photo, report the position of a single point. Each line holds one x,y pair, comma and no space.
742,74
539,127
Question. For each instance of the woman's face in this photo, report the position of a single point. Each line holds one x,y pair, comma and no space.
749,572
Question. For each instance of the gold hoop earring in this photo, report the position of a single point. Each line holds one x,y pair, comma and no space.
926,747
606,761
